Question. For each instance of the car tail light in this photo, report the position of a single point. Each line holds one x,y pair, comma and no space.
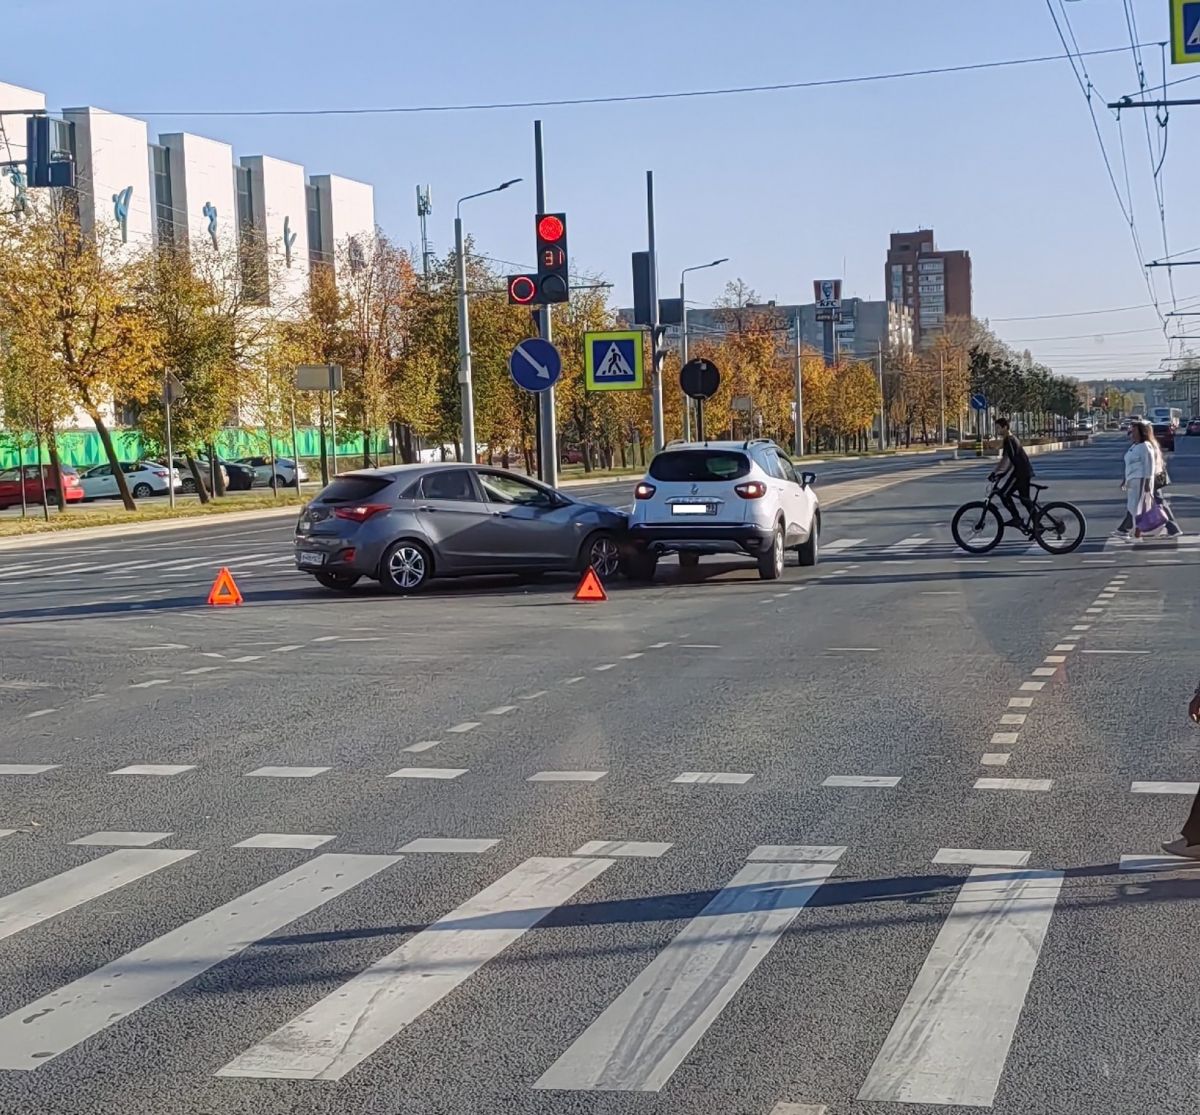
161,474
644,491
70,481
752,489
361,513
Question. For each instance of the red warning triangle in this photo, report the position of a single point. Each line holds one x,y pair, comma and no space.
224,591
590,588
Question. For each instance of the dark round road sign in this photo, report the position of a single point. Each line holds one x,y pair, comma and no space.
699,379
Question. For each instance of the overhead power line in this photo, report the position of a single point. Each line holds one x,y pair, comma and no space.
627,98
1091,313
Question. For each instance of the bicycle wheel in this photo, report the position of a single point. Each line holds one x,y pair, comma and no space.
977,527
1059,527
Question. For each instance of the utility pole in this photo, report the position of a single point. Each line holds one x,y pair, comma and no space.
547,429
879,369
798,442
466,395
656,361
942,375
683,354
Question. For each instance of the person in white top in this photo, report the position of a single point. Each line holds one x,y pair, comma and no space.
1160,481
1140,465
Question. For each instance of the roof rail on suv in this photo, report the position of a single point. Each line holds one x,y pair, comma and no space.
757,441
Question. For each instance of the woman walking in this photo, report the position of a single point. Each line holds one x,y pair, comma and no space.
1140,466
1161,480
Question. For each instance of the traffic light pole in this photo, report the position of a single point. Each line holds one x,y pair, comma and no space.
547,429
656,357
466,395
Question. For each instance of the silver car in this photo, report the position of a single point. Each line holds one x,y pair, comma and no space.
406,524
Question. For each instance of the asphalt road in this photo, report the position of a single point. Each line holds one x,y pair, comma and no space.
714,846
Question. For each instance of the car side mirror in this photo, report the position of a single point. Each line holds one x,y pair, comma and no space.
808,478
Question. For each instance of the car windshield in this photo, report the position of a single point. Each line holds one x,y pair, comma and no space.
683,465
353,489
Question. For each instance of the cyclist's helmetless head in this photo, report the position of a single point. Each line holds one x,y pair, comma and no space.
1002,426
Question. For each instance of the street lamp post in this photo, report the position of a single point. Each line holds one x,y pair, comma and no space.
683,337
464,324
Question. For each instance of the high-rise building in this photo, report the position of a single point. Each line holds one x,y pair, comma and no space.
935,285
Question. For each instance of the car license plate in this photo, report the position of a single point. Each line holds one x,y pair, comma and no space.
308,558
691,509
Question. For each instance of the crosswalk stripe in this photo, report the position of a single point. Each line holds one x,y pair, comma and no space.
352,1022
214,563
35,1034
647,1031
51,897
951,1038
907,545
841,544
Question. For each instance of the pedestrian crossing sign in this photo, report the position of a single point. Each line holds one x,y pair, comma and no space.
613,361
1185,31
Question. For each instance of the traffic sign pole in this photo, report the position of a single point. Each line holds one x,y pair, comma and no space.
656,395
548,441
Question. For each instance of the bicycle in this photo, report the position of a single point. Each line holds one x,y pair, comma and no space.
1057,527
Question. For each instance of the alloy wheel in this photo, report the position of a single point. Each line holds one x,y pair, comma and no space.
407,567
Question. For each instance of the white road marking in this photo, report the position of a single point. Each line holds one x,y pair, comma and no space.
201,670
982,857
1093,611
456,845
658,646
112,839
1031,785
1158,862
1020,702
1116,652
875,780
286,772
1165,788
39,712
428,772
501,710
150,684
6,832
1014,718
797,853
907,545
1044,672
567,776
532,696
995,758
342,1030
1004,738
57,895
699,646
300,841
26,768
645,849
286,648
1055,658
164,770
1082,627
782,1108
424,745
951,1039
606,666
651,1027
940,592
326,638
712,778
465,726
840,544
1099,561
1064,646
211,654
571,681
163,646
849,650
35,1034
248,658
631,657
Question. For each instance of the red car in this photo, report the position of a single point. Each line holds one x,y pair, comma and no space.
11,480
1193,426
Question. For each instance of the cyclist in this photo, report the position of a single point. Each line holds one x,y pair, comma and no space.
1012,474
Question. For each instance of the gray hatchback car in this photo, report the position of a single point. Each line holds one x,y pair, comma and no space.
407,524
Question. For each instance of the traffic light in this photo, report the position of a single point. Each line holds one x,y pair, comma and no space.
553,284
522,290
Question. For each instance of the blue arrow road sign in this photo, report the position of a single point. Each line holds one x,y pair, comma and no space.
535,364
978,402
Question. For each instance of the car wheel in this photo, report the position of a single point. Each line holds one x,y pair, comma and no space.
282,481
640,565
141,491
343,582
406,567
770,562
188,486
688,560
809,552
602,553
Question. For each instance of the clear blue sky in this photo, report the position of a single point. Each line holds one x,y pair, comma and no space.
788,184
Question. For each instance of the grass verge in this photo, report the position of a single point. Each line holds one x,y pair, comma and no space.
81,519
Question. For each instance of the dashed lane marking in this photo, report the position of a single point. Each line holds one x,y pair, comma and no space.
287,772
424,745
439,773
712,778
878,781
300,841
995,758
567,776
1031,785
155,770
1190,788
645,849
465,726
981,857
112,839
454,845
797,853
26,768
1020,702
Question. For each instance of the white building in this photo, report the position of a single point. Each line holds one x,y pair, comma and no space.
341,221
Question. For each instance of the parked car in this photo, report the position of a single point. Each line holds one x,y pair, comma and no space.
188,481
282,471
723,497
1193,426
31,478
144,478
1165,432
238,478
406,524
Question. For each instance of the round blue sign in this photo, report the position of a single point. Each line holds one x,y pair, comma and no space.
535,364
979,402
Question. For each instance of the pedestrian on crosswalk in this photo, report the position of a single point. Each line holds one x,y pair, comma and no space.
1161,480
1188,844
1138,482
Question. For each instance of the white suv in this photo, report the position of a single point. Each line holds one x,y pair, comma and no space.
723,497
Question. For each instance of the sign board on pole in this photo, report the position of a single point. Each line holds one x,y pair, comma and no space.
699,379
1185,31
319,377
614,361
535,364
979,401
745,403
827,293
172,390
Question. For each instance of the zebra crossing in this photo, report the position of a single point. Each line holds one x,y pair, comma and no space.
948,1043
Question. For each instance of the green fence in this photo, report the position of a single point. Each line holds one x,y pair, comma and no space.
83,448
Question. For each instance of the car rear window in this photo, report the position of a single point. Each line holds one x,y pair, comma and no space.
353,489
682,465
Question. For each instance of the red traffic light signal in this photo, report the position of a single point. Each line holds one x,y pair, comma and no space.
522,289
551,227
